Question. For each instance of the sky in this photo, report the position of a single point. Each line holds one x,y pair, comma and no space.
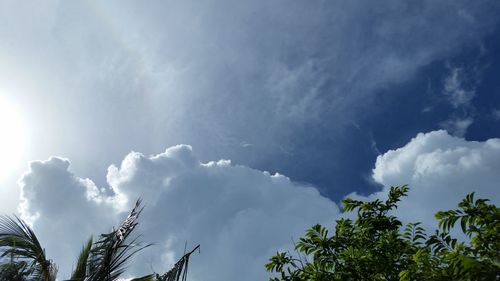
240,124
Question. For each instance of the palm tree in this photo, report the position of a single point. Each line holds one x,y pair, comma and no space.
22,258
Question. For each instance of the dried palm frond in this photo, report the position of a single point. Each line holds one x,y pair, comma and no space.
23,259
110,254
149,277
179,271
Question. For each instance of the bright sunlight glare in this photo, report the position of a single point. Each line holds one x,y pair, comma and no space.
12,137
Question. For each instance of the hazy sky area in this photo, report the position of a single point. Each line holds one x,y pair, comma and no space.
240,123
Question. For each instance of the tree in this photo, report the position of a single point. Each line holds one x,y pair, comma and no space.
22,258
373,247
447,258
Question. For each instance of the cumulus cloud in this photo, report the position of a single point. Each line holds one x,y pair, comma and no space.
218,74
240,216
440,169
64,209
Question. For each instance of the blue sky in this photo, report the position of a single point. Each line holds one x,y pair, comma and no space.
339,163
274,110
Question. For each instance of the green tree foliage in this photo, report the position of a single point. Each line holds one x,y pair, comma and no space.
22,258
375,246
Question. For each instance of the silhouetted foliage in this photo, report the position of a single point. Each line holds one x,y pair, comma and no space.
23,259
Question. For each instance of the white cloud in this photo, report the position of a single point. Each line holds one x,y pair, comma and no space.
457,126
240,216
460,89
214,74
496,114
441,170
64,209
454,88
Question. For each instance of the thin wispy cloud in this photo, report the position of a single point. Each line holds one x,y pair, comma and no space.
457,126
215,75
309,101
459,88
459,95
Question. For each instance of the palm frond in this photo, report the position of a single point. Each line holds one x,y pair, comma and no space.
81,265
110,254
18,241
23,259
149,277
179,271
14,271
